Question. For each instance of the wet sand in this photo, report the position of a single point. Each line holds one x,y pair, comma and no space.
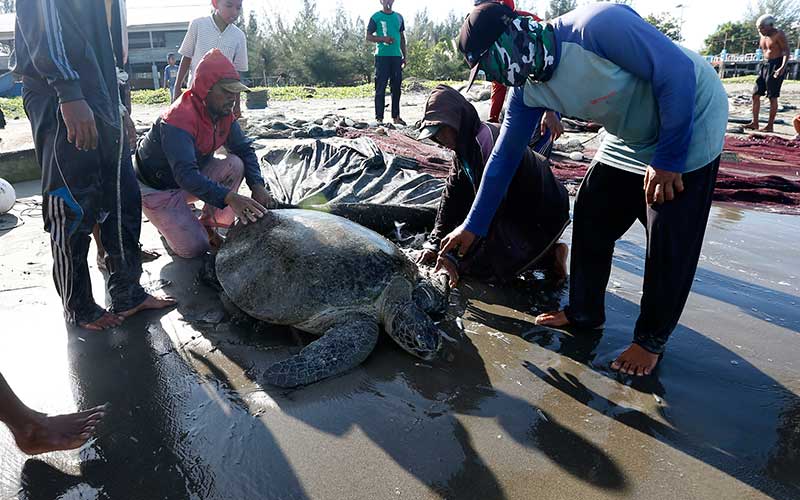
510,411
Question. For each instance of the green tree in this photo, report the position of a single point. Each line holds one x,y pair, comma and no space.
559,7
786,14
419,59
667,24
446,62
738,36
258,54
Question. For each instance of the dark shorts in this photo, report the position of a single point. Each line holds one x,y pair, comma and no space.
766,83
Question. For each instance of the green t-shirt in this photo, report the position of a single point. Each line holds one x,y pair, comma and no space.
382,24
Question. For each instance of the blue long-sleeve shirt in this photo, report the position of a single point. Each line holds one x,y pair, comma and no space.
168,159
661,105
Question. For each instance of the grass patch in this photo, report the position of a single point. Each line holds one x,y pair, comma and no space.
752,79
159,96
12,107
300,92
740,79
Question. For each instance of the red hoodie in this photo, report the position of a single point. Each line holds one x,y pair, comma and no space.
189,112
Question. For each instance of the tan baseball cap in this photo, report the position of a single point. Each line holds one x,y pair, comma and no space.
233,85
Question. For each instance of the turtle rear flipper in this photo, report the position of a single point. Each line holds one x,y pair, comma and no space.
344,346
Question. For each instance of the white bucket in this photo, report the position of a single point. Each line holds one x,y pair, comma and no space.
7,196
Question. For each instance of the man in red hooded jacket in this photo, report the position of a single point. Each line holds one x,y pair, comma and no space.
176,163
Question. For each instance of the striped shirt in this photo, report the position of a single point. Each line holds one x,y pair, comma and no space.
204,35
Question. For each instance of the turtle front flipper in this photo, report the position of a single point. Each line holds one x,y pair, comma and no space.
345,345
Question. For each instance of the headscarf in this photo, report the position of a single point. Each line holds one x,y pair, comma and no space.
525,50
446,106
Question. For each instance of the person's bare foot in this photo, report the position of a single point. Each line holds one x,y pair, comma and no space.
767,128
635,360
104,322
39,433
560,251
150,303
751,126
556,318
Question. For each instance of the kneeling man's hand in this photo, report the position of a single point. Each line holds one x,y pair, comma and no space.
261,195
661,185
246,209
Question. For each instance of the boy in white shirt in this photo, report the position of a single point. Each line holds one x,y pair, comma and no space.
216,31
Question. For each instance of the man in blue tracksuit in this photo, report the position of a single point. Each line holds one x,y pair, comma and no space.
665,112
70,55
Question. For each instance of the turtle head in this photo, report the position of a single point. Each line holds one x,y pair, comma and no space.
414,330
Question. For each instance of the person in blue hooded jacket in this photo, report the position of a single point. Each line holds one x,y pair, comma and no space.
664,111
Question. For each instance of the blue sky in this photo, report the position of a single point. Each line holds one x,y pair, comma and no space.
700,16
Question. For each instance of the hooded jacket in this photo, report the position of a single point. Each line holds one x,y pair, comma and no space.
184,138
535,197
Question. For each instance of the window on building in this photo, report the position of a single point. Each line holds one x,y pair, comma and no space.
139,40
158,39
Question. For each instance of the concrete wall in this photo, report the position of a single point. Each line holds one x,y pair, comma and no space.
19,166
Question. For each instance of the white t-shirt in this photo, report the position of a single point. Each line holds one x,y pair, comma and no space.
204,35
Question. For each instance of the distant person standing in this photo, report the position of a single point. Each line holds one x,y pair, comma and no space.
386,28
216,31
170,75
771,72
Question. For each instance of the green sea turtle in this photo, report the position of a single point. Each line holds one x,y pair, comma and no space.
328,276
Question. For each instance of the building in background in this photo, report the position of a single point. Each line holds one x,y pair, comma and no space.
152,34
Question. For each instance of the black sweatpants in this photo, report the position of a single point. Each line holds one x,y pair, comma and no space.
608,202
387,69
80,189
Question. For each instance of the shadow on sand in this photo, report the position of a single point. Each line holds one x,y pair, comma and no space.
409,409
718,407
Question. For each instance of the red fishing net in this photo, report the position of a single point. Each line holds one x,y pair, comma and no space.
758,170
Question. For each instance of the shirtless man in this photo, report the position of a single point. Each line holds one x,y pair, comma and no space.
771,72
